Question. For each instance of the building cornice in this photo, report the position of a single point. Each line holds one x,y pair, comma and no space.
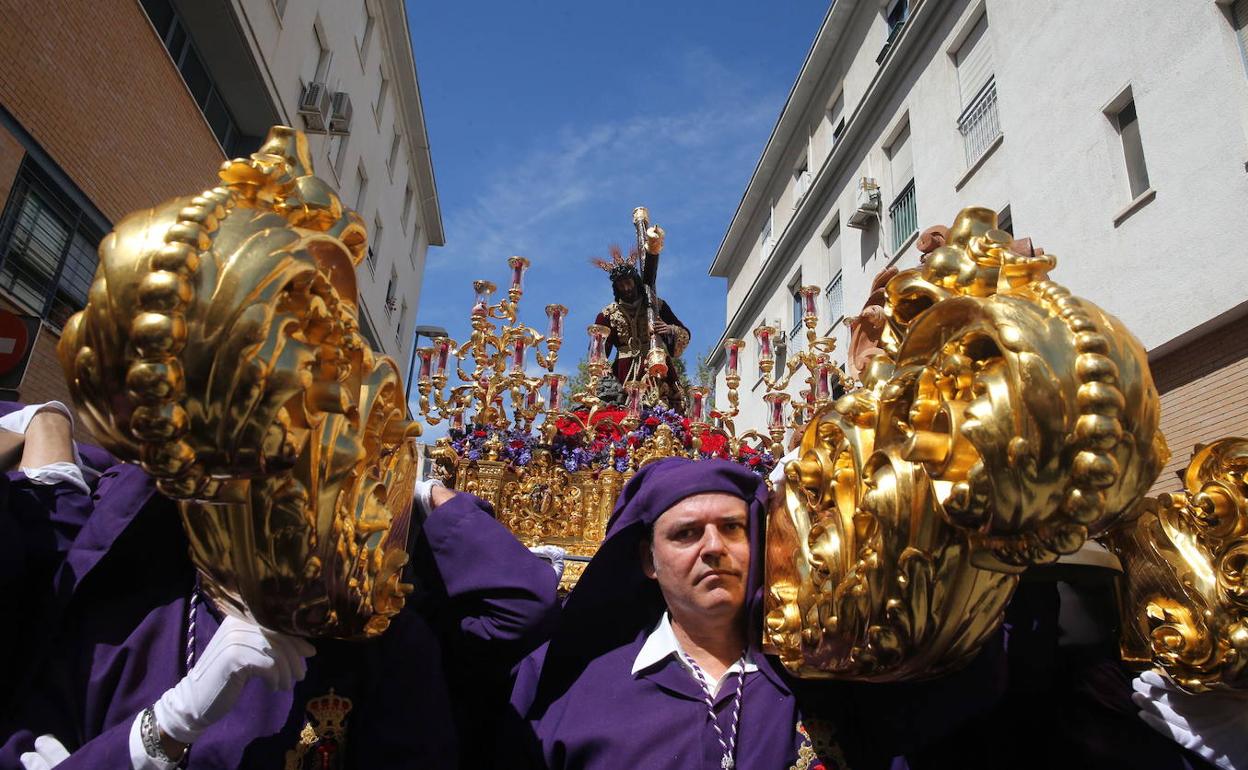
918,29
394,25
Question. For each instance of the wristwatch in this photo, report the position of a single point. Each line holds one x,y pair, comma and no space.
150,734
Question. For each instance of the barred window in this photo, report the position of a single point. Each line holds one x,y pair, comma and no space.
47,250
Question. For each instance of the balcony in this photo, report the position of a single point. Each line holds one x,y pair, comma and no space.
903,216
978,123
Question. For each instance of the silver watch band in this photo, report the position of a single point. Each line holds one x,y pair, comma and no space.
150,734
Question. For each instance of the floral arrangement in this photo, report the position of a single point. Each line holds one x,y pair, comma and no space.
604,445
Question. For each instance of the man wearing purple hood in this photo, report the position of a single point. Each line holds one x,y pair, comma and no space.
657,662
122,636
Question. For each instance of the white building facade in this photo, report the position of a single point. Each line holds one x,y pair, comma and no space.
344,72
1114,134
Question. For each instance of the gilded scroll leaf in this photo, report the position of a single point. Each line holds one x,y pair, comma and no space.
1006,423
220,348
1185,598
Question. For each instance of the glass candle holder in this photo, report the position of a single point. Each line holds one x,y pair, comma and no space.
632,399
518,266
697,404
426,362
556,314
457,419
518,347
823,382
483,290
554,392
775,410
441,356
764,335
597,343
810,302
732,351
530,400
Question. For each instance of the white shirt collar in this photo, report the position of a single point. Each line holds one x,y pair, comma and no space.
662,643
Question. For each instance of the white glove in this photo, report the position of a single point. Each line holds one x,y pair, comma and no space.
238,651
776,477
553,554
48,753
424,496
1212,724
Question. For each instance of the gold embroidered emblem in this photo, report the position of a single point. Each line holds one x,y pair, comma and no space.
819,749
323,739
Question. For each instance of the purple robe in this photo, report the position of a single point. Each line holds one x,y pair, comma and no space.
577,705
122,599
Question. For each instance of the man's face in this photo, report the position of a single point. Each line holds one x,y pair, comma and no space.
626,288
700,554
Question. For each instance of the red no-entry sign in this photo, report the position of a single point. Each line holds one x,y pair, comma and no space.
14,341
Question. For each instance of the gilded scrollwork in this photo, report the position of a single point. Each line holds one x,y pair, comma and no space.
220,348
1185,559
1006,422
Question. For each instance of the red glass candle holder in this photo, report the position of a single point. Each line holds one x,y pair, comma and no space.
556,314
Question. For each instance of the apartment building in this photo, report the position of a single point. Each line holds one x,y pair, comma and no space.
111,106
1114,134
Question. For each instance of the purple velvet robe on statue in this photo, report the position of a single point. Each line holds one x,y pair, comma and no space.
115,637
579,706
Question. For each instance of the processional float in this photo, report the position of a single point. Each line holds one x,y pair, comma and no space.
1005,424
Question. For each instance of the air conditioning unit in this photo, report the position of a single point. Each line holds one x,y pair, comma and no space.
868,204
340,114
314,106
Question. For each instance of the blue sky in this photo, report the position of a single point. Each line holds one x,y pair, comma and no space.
550,121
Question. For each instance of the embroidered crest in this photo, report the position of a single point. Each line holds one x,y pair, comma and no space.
323,739
819,749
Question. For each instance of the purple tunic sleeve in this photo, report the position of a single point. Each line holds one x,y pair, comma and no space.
497,589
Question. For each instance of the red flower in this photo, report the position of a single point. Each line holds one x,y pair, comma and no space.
746,449
620,451
716,414
479,433
685,423
517,444
652,421
632,440
755,460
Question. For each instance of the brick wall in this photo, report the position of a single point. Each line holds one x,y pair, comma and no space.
96,89
1204,395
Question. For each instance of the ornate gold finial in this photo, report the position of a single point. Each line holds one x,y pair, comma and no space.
1008,422
220,348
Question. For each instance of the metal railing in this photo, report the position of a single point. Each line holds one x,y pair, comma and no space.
978,123
903,215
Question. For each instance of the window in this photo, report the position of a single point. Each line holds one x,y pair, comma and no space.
902,213
199,81
361,187
801,181
407,206
414,256
765,238
279,7
896,18
1132,148
375,246
394,152
836,119
978,122
1005,220
795,293
47,249
391,288
316,64
398,330
1239,17
365,35
336,151
383,88
836,299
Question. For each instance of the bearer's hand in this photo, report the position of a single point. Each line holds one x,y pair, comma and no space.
654,239
1212,724
48,753
431,493
662,328
239,651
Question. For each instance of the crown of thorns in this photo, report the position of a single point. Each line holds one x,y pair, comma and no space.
619,266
